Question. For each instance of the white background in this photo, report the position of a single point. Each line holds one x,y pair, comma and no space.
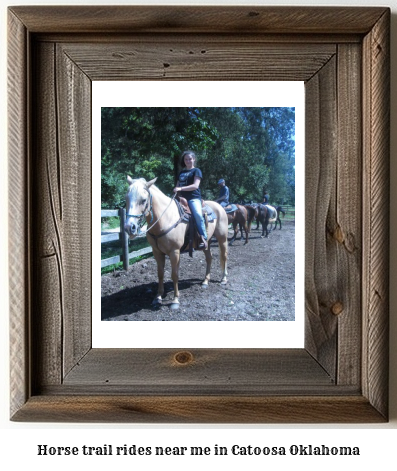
19,441
198,334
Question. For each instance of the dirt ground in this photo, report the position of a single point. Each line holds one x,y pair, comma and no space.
261,284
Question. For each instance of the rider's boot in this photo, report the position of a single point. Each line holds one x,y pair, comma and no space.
203,244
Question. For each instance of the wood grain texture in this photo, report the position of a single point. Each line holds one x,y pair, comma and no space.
48,278
221,59
376,90
198,19
333,228
206,369
341,375
198,409
320,173
19,222
63,199
73,89
347,224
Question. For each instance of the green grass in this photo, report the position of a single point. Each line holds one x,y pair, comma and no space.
113,248
110,223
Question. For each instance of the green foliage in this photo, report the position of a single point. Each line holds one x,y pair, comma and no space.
110,222
253,149
112,249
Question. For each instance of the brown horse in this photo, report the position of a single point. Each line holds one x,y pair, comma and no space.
166,232
252,210
266,215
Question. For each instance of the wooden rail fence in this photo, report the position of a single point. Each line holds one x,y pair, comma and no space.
289,211
122,237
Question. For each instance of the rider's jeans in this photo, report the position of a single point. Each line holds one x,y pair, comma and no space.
196,209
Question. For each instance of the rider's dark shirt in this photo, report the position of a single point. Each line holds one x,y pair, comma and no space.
186,178
224,191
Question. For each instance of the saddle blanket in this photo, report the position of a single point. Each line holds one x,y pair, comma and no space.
230,208
206,209
210,213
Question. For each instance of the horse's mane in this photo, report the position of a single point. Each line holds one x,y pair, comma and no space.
134,180
142,180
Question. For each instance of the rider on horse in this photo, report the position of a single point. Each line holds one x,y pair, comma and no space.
188,184
266,198
223,198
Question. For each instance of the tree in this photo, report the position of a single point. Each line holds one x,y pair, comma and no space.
252,148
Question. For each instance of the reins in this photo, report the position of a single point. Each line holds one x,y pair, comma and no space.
162,214
141,217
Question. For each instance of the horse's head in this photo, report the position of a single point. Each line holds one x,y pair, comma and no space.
138,205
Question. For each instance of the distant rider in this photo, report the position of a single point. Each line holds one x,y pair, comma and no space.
266,198
223,198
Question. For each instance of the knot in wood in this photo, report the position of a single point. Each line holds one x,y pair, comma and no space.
338,235
337,308
183,358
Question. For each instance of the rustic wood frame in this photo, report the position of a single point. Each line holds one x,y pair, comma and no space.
343,56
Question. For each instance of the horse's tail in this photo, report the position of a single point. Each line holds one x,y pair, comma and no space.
251,215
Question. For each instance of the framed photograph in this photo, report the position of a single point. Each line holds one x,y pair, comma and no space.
256,144
340,375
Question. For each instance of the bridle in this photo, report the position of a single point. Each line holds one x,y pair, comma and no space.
141,217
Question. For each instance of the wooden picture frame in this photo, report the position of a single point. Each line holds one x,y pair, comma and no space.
342,54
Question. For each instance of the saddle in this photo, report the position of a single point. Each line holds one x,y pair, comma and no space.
230,208
192,237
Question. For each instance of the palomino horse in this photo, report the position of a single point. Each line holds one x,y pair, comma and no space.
240,218
166,232
266,215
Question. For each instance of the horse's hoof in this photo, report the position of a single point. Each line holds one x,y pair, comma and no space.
204,285
224,282
157,302
174,306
